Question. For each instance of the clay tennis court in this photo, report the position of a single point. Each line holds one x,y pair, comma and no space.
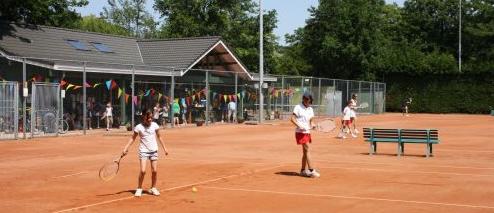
252,168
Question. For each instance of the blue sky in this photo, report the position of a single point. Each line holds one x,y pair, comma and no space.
291,13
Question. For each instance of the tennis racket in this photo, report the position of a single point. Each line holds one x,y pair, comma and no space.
363,105
326,125
110,169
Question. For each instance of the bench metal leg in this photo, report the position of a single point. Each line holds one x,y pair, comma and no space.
428,150
375,147
399,150
372,148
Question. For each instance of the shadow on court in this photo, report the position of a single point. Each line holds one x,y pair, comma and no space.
117,193
288,173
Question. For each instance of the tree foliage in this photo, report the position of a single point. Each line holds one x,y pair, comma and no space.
94,24
131,15
60,13
236,21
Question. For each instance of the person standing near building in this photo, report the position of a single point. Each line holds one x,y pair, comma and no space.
109,116
232,111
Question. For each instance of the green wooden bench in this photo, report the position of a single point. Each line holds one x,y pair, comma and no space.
401,136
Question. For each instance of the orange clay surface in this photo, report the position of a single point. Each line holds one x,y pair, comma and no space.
253,168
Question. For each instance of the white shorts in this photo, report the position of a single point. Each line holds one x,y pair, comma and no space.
353,114
148,155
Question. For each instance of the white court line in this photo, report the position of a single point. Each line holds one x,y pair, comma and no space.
169,189
391,164
350,197
403,171
70,175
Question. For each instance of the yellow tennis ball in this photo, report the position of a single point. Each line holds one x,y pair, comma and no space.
194,189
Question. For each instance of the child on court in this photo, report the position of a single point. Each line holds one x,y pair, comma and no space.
404,106
148,131
347,121
303,119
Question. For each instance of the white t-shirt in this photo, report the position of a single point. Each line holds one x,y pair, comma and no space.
302,116
353,105
232,106
108,111
156,113
347,113
148,137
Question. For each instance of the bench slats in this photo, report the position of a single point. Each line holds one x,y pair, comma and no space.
401,136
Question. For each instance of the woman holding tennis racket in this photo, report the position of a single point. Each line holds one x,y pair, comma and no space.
303,119
353,114
148,131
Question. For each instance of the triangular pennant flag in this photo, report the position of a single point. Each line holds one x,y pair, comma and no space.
134,100
114,84
127,98
70,86
120,92
152,92
96,84
159,96
147,93
77,87
87,84
225,98
108,84
193,98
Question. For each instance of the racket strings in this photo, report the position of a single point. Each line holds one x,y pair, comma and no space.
108,171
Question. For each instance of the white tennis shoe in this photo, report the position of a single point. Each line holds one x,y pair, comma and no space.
314,173
138,193
154,191
356,131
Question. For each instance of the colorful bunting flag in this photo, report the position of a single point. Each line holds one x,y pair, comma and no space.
96,84
120,92
108,84
70,86
127,98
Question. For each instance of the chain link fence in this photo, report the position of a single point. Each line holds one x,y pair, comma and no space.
176,96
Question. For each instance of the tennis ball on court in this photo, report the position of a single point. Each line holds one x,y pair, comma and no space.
194,189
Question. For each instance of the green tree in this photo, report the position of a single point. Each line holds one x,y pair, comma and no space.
131,15
94,24
59,13
341,36
236,21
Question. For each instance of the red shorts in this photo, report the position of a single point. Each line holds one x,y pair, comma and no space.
303,138
347,122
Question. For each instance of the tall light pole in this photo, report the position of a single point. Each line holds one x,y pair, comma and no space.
459,38
261,65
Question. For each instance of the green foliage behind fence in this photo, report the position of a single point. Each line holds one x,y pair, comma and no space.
442,94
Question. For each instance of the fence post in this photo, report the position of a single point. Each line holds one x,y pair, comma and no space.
24,97
319,98
207,96
172,94
236,97
282,93
132,84
84,104
384,97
